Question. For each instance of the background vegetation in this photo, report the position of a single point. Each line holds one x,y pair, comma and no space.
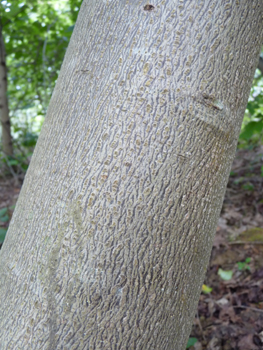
36,35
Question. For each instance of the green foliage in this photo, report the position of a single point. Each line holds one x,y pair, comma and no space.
191,342
243,265
3,231
18,163
252,127
206,289
232,173
5,216
248,186
36,35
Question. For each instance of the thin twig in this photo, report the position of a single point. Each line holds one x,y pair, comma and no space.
247,307
247,166
200,326
11,171
241,242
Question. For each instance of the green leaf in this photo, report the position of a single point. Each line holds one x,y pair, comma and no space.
2,234
3,212
70,29
251,128
206,289
191,342
252,107
225,275
18,54
243,265
240,265
13,162
4,218
14,11
248,186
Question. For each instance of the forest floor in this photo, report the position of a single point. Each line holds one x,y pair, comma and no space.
230,310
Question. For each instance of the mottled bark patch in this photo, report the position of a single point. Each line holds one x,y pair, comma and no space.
211,101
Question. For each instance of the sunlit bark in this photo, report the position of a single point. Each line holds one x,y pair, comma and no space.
112,232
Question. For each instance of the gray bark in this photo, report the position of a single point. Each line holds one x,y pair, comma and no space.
112,232
7,145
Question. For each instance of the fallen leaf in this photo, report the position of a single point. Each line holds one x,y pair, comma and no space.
225,275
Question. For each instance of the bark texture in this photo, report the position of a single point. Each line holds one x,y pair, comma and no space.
112,233
7,145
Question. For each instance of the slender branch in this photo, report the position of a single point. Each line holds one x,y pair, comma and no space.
247,307
241,242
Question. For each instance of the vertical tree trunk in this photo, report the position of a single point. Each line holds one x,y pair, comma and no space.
4,111
112,233
260,65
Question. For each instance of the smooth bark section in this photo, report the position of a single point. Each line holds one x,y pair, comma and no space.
7,145
112,232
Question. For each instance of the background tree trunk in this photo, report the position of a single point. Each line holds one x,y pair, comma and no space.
112,232
7,145
260,65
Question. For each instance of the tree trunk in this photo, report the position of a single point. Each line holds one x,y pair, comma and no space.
7,145
112,232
